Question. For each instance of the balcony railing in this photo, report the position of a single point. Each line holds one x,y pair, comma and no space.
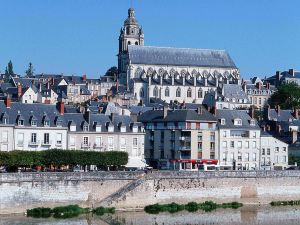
185,138
34,143
47,143
184,148
85,145
98,146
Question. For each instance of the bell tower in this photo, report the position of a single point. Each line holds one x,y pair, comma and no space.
130,34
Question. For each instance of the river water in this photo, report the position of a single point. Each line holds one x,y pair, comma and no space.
266,215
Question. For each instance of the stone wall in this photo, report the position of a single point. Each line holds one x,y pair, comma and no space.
19,192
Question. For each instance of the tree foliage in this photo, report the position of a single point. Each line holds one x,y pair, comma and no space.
287,96
29,71
63,157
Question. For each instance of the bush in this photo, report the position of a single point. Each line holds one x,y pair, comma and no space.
63,157
285,203
39,212
191,207
68,211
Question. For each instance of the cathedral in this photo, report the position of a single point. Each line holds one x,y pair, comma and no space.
167,73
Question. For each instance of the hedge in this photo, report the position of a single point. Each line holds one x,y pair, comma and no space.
63,157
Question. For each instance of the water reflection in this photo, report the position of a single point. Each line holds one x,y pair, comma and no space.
244,215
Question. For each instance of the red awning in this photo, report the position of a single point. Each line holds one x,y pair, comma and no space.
198,161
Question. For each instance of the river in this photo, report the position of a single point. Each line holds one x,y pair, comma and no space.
265,215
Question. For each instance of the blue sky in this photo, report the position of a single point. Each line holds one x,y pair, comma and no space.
81,36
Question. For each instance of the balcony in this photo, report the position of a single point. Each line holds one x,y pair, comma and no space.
85,145
185,138
98,146
34,143
49,143
184,148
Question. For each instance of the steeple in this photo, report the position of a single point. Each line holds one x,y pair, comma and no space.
130,34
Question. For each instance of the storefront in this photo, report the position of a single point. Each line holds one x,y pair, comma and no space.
191,164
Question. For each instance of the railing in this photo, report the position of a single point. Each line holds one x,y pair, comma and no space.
185,138
85,145
34,143
47,143
184,148
97,146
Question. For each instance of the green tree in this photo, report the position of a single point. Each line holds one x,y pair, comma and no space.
287,96
29,71
10,68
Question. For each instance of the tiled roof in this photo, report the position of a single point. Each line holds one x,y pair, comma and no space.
179,56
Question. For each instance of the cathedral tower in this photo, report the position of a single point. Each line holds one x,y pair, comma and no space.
130,34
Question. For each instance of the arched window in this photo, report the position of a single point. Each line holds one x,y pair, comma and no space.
189,93
178,92
167,92
200,93
136,43
155,92
142,93
129,43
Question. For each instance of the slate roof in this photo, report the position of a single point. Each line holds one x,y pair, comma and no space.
179,56
235,91
178,115
230,115
284,115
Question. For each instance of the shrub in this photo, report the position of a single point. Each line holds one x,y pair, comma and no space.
191,207
101,211
39,212
68,211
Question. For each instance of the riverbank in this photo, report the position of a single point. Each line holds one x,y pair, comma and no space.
135,190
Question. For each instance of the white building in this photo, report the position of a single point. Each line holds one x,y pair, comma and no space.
170,73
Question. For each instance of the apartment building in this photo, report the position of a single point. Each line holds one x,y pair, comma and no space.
180,139
239,138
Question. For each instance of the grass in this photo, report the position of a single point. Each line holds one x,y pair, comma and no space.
173,207
285,203
69,211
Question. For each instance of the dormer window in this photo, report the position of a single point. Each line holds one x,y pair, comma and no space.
223,121
85,128
46,123
20,122
238,122
4,120
252,122
33,123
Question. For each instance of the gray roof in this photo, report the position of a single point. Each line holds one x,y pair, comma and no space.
179,56
235,91
229,116
283,115
178,115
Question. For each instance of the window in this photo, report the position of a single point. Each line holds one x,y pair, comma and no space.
59,138
4,136
276,149
232,144
223,121
247,156
252,122
254,156
20,122
268,151
135,142
224,144
33,138
240,156
110,143
247,144
85,128
189,93
254,144
254,134
123,141
212,136
178,92
239,144
85,141
238,122
200,137
46,138
155,92
200,93
284,149
199,146
20,139
263,151
167,92
224,156
46,123
231,156
33,123
142,93
98,141
72,141
224,133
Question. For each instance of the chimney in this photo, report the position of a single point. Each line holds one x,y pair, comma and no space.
252,112
84,77
296,113
48,85
278,128
213,110
278,76
244,86
19,90
165,111
8,102
268,85
61,107
32,82
200,110
294,136
258,85
292,72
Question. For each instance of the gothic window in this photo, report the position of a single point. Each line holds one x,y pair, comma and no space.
200,93
189,93
142,93
167,92
136,43
155,92
178,92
